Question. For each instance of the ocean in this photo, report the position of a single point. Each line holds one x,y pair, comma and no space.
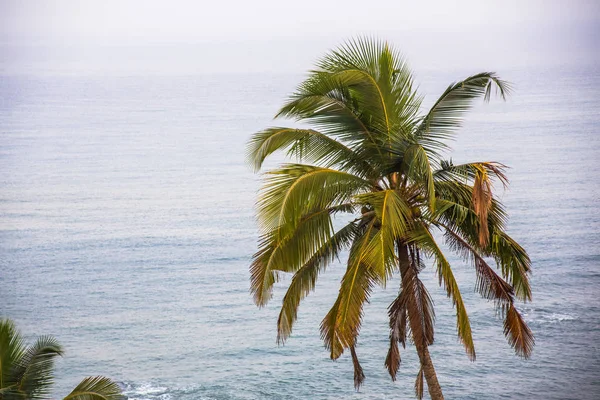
127,228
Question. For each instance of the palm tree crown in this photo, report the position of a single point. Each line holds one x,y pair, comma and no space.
26,372
373,154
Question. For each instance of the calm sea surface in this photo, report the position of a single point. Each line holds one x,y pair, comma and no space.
127,228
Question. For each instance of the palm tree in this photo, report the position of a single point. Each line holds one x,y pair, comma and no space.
373,155
26,371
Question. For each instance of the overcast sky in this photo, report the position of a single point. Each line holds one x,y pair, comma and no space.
281,35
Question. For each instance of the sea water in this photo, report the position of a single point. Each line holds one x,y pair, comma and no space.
127,228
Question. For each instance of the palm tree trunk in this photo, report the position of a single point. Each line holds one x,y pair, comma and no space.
433,386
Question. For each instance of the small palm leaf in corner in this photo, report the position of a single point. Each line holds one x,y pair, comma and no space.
96,388
27,372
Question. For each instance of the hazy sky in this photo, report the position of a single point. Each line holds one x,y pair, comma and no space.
279,35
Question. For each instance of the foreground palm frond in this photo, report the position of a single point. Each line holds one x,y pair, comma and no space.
26,372
372,158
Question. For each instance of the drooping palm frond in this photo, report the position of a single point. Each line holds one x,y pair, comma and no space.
329,334
493,287
294,210
455,208
305,278
414,296
96,388
340,327
287,252
455,211
398,330
423,238
518,333
446,115
419,384
514,263
359,375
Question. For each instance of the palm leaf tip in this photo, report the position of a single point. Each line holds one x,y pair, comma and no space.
96,388
419,384
518,333
359,375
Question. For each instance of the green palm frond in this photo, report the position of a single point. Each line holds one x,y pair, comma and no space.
326,101
329,333
446,115
418,168
455,208
493,287
12,349
306,145
514,263
289,250
467,173
342,324
96,388
294,189
33,372
460,217
305,278
393,220
424,239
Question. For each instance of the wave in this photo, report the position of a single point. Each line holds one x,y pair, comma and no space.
540,316
157,391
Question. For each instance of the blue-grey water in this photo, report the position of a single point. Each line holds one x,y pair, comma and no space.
127,228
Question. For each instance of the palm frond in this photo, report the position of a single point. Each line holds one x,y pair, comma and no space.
326,101
33,372
355,289
455,208
305,278
419,384
96,388
329,333
287,251
306,145
514,263
418,168
423,239
467,173
394,218
415,298
12,350
398,330
518,333
294,189
446,115
488,284
359,375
